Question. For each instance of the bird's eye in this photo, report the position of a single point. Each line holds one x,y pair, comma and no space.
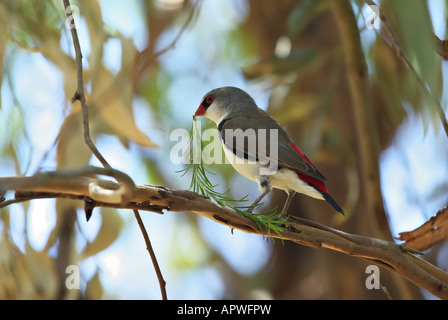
209,99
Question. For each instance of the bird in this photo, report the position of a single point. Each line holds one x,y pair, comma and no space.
273,160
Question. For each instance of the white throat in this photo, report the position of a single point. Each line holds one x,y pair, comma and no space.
216,114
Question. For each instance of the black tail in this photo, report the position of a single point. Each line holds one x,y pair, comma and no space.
333,203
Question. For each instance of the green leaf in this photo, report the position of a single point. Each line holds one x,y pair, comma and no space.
416,35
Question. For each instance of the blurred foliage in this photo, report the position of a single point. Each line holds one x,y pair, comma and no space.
308,94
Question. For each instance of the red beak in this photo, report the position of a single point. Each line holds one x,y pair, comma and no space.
201,111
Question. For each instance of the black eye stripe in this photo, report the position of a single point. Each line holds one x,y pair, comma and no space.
208,101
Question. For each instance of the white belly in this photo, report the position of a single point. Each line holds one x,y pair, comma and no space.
283,179
247,168
287,180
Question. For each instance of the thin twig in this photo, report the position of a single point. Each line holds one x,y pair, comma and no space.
162,282
79,95
400,52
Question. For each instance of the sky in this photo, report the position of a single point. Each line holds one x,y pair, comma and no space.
411,163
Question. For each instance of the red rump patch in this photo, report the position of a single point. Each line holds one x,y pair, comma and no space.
296,148
312,181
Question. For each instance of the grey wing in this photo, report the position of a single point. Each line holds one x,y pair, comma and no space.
239,135
252,137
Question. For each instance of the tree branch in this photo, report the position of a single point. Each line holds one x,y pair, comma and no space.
398,258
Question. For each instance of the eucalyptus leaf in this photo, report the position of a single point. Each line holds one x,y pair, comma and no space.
417,39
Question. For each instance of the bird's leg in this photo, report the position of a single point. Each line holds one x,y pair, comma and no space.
265,187
291,195
257,201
